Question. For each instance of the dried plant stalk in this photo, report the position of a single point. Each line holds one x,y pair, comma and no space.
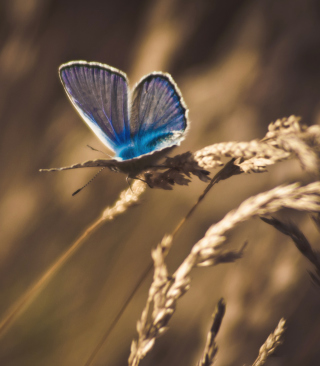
165,292
210,156
211,348
286,138
127,199
273,341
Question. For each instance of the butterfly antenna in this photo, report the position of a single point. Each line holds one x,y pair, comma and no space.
80,189
102,152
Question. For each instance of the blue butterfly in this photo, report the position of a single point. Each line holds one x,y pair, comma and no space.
140,127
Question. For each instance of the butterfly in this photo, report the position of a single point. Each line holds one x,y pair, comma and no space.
139,127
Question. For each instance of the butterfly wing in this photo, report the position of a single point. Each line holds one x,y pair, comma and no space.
158,116
100,95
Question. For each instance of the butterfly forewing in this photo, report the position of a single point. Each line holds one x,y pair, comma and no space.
100,95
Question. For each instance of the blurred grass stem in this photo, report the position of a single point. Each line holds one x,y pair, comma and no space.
34,289
127,199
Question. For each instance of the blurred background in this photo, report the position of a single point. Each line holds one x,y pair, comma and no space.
240,64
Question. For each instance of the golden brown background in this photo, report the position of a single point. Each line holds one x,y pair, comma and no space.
240,65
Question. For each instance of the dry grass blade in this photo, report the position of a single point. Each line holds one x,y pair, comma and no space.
273,341
165,292
301,242
211,348
127,199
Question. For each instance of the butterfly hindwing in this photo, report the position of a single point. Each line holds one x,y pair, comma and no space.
100,95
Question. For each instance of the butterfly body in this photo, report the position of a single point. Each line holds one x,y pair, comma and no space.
140,132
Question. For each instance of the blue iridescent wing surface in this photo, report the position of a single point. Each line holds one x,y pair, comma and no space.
158,116
100,95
